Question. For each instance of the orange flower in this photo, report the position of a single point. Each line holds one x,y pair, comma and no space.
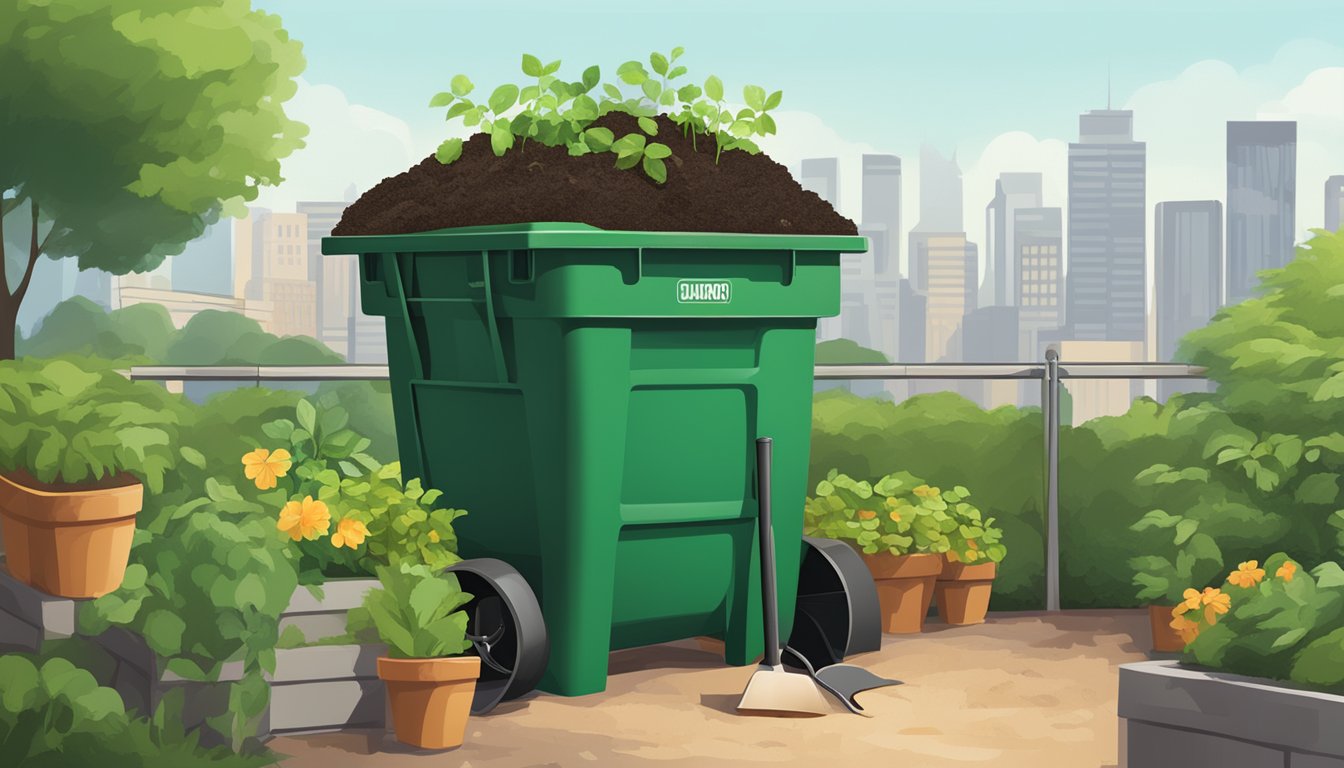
867,514
1248,574
305,519
926,492
1187,629
349,533
1192,600
895,516
1215,602
1286,570
434,536
264,466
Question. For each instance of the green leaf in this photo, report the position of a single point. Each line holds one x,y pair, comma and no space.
632,72
774,100
656,169
657,151
652,88
501,138
461,86
648,126
1320,488
600,139
163,631
676,52
192,457
504,96
754,96
531,65
442,99
307,416
676,72
449,151
1184,530
714,88
551,68
659,63
591,76
612,91
689,92
629,145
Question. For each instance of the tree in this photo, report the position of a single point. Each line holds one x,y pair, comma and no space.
846,352
129,125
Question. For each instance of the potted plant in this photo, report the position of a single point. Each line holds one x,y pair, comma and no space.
75,448
901,532
430,683
971,563
1185,550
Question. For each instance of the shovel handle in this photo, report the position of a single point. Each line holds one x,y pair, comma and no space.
769,590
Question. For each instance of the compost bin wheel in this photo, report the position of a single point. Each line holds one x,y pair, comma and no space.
505,625
836,614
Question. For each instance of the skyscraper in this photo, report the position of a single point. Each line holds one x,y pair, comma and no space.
940,210
270,255
882,209
336,278
914,312
951,290
1334,203
1261,201
1188,260
1106,271
1011,192
822,175
205,265
1039,264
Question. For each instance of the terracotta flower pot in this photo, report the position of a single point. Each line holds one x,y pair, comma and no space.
69,543
904,588
1165,638
963,592
430,698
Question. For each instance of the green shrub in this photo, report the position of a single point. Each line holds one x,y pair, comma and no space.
416,612
1279,622
54,715
68,426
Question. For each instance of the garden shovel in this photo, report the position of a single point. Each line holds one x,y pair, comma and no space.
773,690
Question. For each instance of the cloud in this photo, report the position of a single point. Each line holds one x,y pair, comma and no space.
346,144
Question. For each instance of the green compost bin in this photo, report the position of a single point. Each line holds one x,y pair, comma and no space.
591,397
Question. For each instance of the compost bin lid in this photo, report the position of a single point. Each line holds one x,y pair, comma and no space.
565,234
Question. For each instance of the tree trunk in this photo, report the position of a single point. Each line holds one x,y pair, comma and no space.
8,322
11,300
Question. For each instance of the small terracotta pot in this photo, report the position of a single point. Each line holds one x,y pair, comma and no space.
1165,638
430,698
963,592
69,543
904,588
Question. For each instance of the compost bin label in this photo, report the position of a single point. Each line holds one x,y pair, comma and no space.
704,291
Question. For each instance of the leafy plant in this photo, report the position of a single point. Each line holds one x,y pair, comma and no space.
53,714
416,612
899,514
345,512
557,112
64,425
1281,622
977,538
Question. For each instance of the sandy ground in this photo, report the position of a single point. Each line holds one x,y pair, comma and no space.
1034,691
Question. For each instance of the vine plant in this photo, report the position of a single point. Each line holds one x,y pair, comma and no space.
557,112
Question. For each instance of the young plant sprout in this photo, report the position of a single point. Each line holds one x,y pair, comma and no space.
556,112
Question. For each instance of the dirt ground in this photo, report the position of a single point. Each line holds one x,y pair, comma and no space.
1035,691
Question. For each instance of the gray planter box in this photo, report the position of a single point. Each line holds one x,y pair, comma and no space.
312,688
1174,716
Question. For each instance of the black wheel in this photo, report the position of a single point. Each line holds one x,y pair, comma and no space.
506,628
836,614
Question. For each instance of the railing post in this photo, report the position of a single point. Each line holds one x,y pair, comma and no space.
1051,409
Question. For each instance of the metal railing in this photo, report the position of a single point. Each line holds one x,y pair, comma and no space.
1050,373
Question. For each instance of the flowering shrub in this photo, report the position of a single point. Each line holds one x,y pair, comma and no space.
1278,621
345,512
901,514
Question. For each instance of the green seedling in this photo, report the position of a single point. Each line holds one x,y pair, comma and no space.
556,112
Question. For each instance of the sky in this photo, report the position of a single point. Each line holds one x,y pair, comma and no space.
999,83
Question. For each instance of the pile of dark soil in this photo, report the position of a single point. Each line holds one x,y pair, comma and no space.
742,193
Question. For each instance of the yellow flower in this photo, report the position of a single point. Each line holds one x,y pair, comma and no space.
1248,574
867,514
1215,602
434,537
263,466
895,516
926,492
1286,570
1192,600
305,519
1187,629
349,533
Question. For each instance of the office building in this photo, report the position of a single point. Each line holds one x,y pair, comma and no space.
990,335
335,278
1012,191
271,265
1093,398
882,210
822,175
940,210
951,290
1106,293
1188,262
1039,264
1334,203
1261,201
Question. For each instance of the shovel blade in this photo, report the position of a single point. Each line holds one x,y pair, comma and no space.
777,692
